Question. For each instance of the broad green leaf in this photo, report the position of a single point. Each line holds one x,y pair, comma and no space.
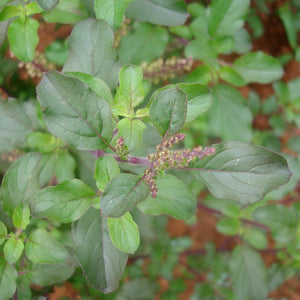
229,116
13,249
66,202
3,2
47,4
91,51
248,274
111,11
41,142
130,93
201,75
43,248
21,216
242,172
228,226
122,193
144,44
287,18
65,166
231,76
226,17
8,276
168,110
124,233
173,198
201,49
256,238
132,132
74,112
106,168
23,38
32,9
3,233
8,12
96,84
281,220
66,12
17,120
57,52
20,183
103,264
258,67
161,12
139,288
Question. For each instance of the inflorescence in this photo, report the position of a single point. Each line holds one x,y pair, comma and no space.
166,158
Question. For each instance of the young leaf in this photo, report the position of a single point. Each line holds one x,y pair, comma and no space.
256,238
41,142
168,110
173,198
23,38
163,12
3,233
228,226
132,132
91,51
231,76
229,116
226,17
106,168
122,193
20,183
242,172
124,233
13,249
258,67
248,274
111,11
17,120
8,276
21,216
8,12
75,113
201,49
42,248
47,4
103,264
66,202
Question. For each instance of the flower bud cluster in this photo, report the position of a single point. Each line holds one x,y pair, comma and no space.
121,149
166,158
39,65
160,70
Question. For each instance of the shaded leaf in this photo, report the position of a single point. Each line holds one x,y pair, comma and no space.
8,276
47,4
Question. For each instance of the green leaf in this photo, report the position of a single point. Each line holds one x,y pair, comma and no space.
255,238
23,38
102,263
132,132
91,51
3,2
66,202
287,18
201,49
21,216
65,166
96,84
229,116
124,233
231,76
17,120
41,142
8,12
248,274
66,12
201,74
168,110
41,247
57,52
242,172
47,4
106,168
130,93
75,113
144,44
258,67
32,9
228,226
281,220
3,233
13,249
226,17
139,288
162,12
8,276
122,193
20,183
111,11
173,198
